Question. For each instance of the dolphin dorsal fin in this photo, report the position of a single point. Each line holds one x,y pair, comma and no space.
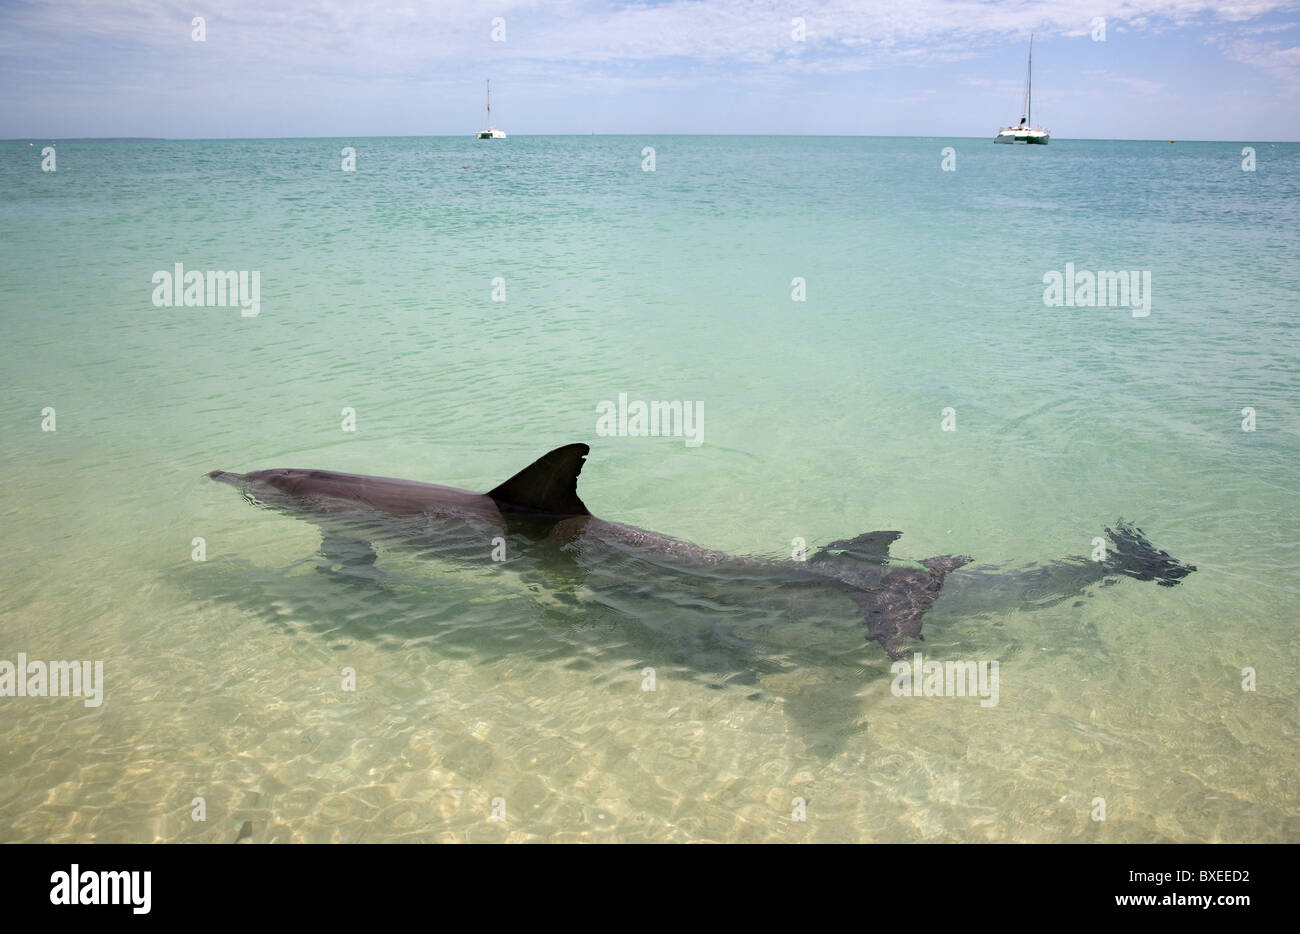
548,486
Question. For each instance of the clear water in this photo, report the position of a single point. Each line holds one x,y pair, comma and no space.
924,290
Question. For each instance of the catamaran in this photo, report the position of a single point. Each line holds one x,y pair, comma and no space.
1025,131
491,132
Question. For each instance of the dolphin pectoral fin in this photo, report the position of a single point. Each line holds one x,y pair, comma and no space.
871,547
893,616
943,565
548,486
352,557
895,607
1135,556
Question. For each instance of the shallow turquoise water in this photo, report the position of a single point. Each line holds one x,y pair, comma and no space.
924,290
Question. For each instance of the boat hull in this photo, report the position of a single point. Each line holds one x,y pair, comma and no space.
1030,137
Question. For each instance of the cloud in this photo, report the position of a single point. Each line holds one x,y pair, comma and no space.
1281,62
412,65
407,38
1141,85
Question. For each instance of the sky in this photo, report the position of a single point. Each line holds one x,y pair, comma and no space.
1166,69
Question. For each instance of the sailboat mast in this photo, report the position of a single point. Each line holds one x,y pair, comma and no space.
489,101
1029,81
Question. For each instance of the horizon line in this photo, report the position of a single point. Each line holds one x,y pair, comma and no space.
472,135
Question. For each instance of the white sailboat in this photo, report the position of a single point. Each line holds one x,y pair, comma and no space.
491,132
1025,131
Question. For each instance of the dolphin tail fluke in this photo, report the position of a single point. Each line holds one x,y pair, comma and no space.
1135,556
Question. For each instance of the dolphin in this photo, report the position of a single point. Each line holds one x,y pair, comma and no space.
537,516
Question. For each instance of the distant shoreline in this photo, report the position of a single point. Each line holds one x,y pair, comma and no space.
85,139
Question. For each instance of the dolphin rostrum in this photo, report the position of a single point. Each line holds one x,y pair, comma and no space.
537,515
